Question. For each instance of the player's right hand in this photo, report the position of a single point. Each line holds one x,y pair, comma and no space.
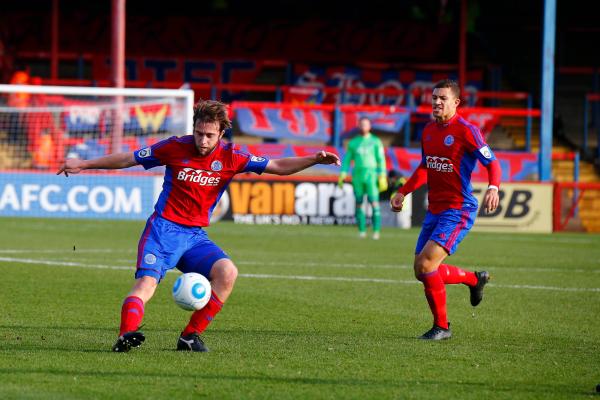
71,166
396,202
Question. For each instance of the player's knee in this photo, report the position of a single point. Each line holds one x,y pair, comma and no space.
231,274
144,288
422,266
225,272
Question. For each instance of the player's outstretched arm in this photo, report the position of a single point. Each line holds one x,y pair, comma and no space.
291,165
111,161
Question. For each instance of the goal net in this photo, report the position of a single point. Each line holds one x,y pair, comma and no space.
41,125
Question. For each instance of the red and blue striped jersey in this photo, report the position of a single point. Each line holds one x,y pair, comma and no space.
193,184
449,153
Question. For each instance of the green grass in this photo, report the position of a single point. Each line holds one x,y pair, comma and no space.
281,338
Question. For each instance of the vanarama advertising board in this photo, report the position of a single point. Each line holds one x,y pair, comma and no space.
286,202
296,201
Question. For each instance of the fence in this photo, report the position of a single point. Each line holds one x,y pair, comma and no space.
591,105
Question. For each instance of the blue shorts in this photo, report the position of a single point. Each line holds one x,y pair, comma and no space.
447,229
165,245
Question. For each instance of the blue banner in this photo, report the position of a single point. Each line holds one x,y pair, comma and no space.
386,121
78,196
283,122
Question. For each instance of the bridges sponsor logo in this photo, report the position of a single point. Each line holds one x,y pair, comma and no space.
440,164
200,176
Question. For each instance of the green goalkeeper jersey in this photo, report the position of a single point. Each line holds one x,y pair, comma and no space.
367,154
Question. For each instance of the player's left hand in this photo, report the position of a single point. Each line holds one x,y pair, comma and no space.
491,200
325,157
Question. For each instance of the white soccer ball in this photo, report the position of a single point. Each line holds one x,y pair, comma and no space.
191,291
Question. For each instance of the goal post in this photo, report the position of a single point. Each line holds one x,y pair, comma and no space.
41,124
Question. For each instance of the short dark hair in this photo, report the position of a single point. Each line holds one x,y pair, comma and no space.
449,84
212,111
363,118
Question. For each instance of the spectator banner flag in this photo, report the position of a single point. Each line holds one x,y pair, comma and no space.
141,118
390,120
283,121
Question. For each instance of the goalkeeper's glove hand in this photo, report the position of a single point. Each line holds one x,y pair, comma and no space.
341,180
382,183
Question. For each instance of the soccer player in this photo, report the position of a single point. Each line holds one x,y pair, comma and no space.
450,147
198,169
368,175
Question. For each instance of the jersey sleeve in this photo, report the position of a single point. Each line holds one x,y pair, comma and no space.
246,162
380,158
155,155
416,180
348,157
477,146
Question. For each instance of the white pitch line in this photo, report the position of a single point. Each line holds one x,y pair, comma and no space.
325,265
405,266
63,263
315,264
61,251
326,278
296,277
376,280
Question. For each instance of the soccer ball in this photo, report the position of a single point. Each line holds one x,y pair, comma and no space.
191,291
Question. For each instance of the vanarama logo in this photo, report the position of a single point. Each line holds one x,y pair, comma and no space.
200,176
440,164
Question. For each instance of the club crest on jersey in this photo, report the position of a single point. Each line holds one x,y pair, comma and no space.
257,159
486,152
216,165
150,259
440,164
200,176
449,140
146,152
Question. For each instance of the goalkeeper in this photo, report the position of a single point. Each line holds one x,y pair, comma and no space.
368,175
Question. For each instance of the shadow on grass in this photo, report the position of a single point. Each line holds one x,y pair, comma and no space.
516,388
378,334
41,328
149,330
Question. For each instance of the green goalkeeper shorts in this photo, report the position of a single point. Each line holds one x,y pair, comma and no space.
365,183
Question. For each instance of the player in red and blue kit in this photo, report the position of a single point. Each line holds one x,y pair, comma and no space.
450,148
198,169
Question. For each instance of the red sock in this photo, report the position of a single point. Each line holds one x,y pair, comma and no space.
132,313
453,275
201,318
435,291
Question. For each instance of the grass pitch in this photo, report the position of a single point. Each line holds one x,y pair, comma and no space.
316,313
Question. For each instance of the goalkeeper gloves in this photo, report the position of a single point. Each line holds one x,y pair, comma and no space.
341,180
382,183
